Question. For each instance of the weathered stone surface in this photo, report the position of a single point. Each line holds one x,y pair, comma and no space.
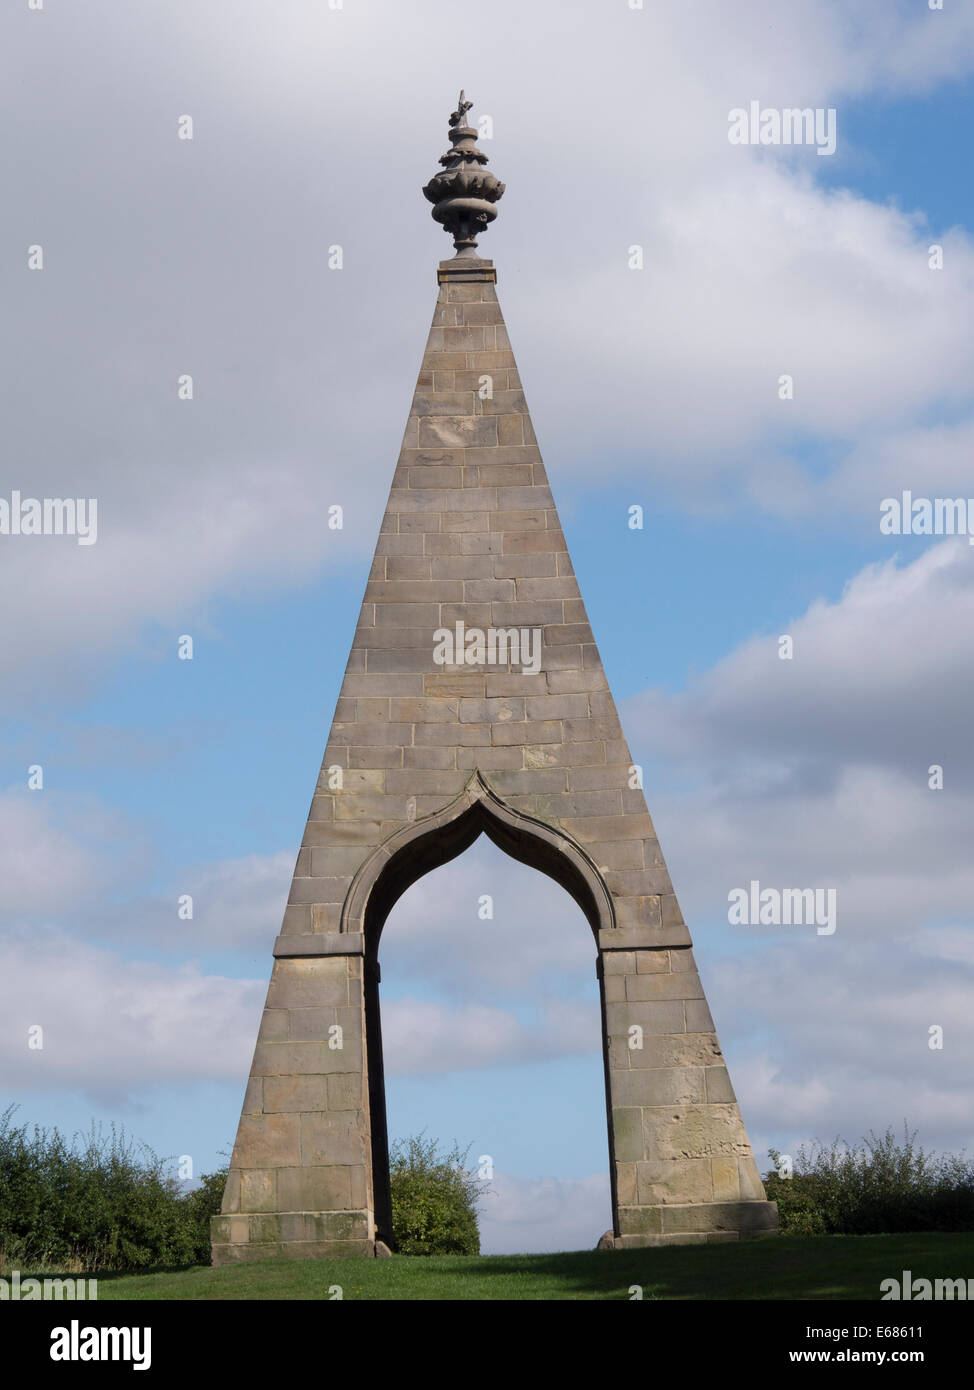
421,735
663,1184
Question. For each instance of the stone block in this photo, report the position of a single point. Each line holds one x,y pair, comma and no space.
695,1131
304,1059
533,542
424,710
258,1189
267,1141
640,1221
501,683
652,962
682,962
427,758
459,431
641,916
663,985
752,1188
665,1184
263,1228
523,732
296,1093
501,710
308,983
344,1092
253,1096
274,1025
719,1088
313,1025
676,1050
523,613
466,522
490,760
555,754
557,706
618,962
455,683
463,567
626,1184
578,804
664,1086
741,1218
726,1179
339,1138
699,1018
627,1133
658,1016
220,1229
314,1189
615,989
459,736
531,520
231,1191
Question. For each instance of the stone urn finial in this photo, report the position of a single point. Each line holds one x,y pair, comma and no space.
463,193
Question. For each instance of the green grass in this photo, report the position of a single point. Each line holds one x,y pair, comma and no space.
783,1267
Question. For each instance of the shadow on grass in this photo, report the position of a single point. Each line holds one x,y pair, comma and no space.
771,1268
775,1267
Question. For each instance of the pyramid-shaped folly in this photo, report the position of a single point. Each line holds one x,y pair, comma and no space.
475,701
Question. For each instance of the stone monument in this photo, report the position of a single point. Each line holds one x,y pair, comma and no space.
474,702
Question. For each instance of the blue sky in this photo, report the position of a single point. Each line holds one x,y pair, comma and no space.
164,776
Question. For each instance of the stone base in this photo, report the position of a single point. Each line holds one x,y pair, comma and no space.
293,1235
697,1223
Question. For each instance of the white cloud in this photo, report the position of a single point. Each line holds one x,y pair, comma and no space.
424,1038
237,903
752,271
850,1026
536,942
52,850
72,860
814,772
880,677
544,1214
115,1029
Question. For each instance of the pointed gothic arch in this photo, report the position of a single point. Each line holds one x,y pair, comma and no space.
423,845
418,849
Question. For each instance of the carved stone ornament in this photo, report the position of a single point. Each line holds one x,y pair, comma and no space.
463,193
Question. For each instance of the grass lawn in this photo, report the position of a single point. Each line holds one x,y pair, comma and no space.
782,1267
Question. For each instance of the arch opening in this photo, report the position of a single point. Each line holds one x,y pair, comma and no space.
417,851
428,852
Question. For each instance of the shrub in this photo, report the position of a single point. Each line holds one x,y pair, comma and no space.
434,1199
876,1186
202,1203
96,1203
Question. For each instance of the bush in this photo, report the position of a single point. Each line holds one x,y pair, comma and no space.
202,1203
434,1199
97,1203
875,1187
